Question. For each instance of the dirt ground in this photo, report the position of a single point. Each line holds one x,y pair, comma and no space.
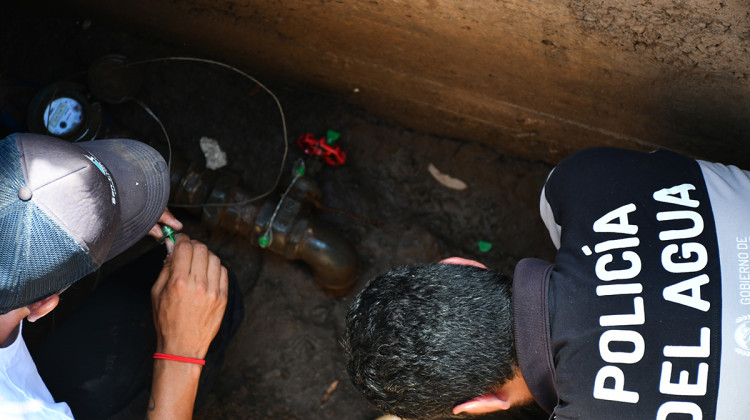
286,361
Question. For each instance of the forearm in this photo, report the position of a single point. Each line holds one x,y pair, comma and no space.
189,299
173,390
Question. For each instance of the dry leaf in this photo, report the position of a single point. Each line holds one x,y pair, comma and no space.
445,179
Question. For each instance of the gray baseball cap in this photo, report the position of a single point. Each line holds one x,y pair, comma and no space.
66,208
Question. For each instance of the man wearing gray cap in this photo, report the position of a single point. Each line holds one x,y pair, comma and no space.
65,209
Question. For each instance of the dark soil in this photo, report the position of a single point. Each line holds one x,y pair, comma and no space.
286,361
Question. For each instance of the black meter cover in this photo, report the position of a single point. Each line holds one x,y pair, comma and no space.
62,110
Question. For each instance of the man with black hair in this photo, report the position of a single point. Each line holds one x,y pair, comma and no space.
644,313
443,334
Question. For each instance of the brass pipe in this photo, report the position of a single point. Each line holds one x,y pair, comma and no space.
295,233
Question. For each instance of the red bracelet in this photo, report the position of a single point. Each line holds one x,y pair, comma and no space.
179,358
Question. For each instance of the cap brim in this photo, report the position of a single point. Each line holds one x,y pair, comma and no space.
141,178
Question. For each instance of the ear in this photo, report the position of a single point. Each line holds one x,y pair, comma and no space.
484,404
42,307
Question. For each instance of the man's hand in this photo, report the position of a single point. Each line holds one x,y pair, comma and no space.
188,300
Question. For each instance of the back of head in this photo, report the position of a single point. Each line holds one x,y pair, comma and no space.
67,208
422,339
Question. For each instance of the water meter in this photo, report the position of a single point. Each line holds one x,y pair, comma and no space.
62,110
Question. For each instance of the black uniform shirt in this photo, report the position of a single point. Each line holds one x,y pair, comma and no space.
647,309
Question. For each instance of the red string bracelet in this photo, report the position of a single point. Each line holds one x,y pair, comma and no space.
179,358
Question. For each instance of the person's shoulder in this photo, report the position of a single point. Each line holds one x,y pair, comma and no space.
605,154
585,163
612,160
609,173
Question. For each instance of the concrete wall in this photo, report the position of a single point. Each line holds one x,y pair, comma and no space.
538,78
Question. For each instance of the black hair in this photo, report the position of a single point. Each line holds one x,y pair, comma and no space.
421,339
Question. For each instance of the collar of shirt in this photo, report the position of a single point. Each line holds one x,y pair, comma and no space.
531,329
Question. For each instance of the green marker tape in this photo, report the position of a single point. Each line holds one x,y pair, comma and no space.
168,232
332,136
263,241
484,246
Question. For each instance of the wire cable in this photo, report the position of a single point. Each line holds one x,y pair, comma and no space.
257,82
163,130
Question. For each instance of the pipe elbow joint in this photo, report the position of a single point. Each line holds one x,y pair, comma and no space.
329,255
